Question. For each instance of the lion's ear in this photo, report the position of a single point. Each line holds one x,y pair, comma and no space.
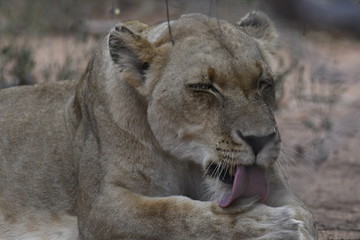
258,25
131,53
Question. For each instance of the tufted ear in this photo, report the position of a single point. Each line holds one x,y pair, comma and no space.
131,54
258,25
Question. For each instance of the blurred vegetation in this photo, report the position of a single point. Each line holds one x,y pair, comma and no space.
25,21
16,63
43,17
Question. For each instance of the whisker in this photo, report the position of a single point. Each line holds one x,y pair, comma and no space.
291,150
289,161
225,170
206,170
216,172
280,162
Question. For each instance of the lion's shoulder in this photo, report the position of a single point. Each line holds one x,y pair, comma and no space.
36,95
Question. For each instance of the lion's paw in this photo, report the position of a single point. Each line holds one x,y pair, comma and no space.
267,223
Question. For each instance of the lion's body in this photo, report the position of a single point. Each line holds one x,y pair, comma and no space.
30,133
126,152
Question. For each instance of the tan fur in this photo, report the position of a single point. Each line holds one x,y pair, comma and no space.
125,149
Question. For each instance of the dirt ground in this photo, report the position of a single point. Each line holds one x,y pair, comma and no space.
322,141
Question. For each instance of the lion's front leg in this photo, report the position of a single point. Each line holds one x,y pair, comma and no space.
121,214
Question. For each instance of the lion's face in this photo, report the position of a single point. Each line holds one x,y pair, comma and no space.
210,100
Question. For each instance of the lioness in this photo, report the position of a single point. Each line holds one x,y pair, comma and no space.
163,138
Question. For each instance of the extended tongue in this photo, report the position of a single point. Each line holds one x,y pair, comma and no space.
249,182
239,186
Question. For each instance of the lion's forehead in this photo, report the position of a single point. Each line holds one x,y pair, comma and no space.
199,27
235,56
232,66
217,52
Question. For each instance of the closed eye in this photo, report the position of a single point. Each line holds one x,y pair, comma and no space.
264,84
203,87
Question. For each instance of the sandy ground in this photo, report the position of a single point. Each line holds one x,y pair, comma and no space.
326,172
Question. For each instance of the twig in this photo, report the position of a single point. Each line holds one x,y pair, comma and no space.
168,21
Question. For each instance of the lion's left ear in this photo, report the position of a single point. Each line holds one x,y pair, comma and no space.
259,26
131,53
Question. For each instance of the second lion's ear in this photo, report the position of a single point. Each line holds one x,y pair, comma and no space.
131,53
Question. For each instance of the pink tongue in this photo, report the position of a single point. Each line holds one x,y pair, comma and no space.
249,181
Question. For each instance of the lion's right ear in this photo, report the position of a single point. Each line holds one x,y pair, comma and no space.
131,53
258,25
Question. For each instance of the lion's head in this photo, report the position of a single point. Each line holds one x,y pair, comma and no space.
208,96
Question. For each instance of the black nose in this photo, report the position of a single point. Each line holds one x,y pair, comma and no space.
257,143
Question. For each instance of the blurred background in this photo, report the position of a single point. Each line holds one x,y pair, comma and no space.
317,66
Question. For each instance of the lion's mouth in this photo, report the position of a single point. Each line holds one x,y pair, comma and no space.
225,174
245,181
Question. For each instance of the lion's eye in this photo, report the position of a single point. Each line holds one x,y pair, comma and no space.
203,87
265,84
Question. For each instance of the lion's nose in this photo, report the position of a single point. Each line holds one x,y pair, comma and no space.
257,143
